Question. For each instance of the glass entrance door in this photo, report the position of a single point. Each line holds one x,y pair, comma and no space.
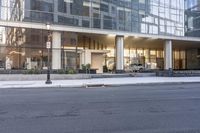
70,60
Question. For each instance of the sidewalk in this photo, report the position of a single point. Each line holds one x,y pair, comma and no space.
99,81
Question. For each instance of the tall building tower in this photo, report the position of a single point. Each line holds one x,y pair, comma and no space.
192,19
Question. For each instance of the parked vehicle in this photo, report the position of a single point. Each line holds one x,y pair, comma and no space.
136,67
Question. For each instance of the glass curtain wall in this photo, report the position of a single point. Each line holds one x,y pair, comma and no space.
23,48
163,17
148,58
26,49
179,59
192,19
153,58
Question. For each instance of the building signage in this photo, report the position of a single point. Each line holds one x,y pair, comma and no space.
48,45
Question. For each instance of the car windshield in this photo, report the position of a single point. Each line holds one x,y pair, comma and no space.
136,65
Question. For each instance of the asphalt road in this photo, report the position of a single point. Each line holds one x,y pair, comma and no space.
126,109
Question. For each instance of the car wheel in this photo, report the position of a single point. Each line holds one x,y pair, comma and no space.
140,70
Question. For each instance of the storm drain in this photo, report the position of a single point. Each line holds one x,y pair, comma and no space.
94,85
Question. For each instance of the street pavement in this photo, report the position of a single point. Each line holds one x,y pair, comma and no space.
149,108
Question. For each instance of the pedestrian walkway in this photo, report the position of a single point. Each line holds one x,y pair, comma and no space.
97,81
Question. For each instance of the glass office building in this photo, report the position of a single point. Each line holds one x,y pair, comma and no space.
192,13
111,33
165,17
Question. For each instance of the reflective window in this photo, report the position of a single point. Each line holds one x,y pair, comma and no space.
192,18
164,17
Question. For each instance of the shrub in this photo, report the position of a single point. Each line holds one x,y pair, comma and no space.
32,71
105,68
88,66
71,71
83,67
36,71
61,71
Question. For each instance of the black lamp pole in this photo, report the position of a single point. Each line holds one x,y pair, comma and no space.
48,45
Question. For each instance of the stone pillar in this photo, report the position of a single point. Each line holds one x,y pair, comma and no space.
56,50
119,49
168,55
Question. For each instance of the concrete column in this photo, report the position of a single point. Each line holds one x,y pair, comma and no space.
68,8
55,15
91,14
147,59
56,50
168,54
85,57
119,46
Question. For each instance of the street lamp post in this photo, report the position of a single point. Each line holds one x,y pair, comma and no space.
48,46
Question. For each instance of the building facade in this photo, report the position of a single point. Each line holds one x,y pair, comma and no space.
111,34
192,14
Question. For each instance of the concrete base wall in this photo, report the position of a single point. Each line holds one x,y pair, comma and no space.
33,77
24,77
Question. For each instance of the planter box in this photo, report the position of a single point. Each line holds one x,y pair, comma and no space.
90,71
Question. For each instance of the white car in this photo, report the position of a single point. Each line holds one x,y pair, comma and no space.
136,67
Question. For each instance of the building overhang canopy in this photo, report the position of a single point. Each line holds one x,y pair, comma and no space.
92,30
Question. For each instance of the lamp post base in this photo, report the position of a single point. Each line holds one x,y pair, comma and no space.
48,82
